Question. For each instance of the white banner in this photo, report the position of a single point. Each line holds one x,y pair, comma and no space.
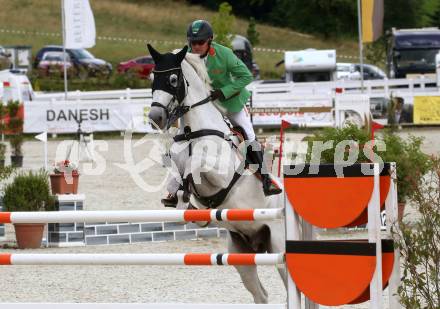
269,109
95,116
79,24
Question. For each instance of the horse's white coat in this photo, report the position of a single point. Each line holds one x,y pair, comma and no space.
213,165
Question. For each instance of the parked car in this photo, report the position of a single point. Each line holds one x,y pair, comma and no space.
52,64
84,63
140,67
370,71
5,59
346,71
352,71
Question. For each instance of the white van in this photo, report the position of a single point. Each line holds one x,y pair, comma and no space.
15,85
310,65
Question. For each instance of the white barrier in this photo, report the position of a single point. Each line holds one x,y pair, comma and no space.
139,306
197,259
142,216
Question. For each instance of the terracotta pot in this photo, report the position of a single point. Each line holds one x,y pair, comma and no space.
29,236
400,210
60,185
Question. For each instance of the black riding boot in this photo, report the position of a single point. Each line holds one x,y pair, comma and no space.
170,201
256,157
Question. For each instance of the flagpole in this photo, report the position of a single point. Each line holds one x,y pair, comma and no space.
64,48
361,56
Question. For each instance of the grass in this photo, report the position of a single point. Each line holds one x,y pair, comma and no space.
151,21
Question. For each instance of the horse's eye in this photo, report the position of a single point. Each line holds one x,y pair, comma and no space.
173,80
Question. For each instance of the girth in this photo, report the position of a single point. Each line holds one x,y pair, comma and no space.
188,135
218,198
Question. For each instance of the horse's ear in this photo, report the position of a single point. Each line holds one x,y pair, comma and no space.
154,53
181,54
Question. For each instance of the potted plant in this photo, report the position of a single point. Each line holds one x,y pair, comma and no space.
411,163
407,154
2,154
357,136
14,127
16,141
28,192
64,179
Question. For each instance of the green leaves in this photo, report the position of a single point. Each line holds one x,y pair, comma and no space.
29,192
418,239
222,24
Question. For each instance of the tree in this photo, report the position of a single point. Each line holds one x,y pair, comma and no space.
222,24
252,33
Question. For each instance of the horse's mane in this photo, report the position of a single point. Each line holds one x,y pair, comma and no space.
199,66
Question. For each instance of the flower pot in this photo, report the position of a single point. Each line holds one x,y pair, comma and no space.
17,161
61,184
29,236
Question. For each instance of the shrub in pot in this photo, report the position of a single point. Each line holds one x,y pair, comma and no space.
29,192
411,163
407,153
15,128
64,179
16,141
358,137
2,154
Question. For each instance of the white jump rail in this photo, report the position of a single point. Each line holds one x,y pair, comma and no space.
188,259
138,306
97,95
142,216
348,86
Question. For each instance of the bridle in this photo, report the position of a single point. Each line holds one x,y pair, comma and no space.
177,110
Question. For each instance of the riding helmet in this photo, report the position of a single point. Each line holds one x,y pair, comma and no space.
199,30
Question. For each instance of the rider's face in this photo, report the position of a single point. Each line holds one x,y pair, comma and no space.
199,47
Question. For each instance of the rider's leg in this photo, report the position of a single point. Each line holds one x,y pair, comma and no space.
254,149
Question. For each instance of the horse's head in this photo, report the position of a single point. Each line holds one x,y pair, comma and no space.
168,87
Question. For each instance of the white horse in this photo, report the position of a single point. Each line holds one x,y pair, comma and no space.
180,90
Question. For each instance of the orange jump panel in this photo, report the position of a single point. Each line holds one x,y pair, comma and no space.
385,182
331,273
387,269
329,202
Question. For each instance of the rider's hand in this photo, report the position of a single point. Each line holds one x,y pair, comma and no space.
217,94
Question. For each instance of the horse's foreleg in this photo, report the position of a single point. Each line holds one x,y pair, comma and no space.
248,274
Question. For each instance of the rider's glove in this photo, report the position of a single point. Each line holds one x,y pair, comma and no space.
217,94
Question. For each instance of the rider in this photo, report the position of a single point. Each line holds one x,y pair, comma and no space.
229,77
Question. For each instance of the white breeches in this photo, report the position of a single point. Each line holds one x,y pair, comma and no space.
242,119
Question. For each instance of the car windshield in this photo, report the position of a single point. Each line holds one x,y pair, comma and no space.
425,57
82,54
343,68
54,56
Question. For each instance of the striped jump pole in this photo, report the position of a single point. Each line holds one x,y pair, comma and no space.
196,259
142,216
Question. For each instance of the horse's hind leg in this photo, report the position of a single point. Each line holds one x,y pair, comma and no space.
277,245
248,274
